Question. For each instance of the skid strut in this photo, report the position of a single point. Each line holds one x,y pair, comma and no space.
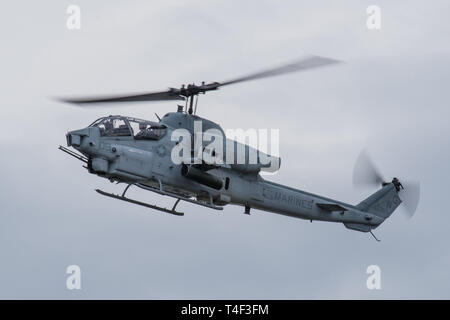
123,198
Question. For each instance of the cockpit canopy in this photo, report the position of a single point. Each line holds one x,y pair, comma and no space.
118,126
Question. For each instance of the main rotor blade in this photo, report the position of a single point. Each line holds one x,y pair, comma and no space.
365,173
300,65
410,196
154,96
192,89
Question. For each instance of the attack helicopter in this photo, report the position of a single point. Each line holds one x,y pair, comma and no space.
140,153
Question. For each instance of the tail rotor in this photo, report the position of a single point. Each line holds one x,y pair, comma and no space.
410,196
366,174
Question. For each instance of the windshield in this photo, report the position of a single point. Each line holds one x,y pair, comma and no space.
147,130
112,127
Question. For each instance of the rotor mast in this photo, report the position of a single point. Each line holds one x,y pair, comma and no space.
192,91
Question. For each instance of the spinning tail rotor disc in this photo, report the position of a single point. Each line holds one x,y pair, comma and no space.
366,174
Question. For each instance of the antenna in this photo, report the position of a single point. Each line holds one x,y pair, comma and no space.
374,236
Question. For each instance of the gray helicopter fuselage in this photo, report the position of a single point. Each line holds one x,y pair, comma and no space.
147,154
148,162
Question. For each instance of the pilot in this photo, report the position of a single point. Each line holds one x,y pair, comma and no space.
142,131
109,127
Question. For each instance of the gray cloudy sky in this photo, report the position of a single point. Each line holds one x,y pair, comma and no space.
391,97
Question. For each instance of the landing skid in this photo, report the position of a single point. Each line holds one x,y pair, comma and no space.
123,198
162,192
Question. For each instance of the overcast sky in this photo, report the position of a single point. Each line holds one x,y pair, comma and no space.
390,96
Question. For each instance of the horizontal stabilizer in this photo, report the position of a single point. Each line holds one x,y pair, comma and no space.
331,207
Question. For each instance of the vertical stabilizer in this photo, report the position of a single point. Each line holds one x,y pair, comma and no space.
383,202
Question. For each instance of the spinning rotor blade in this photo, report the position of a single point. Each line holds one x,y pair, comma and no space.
410,196
300,65
192,89
365,173
155,96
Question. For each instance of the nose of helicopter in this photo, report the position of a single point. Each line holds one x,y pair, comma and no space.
75,137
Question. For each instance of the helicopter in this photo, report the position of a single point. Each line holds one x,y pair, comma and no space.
140,153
